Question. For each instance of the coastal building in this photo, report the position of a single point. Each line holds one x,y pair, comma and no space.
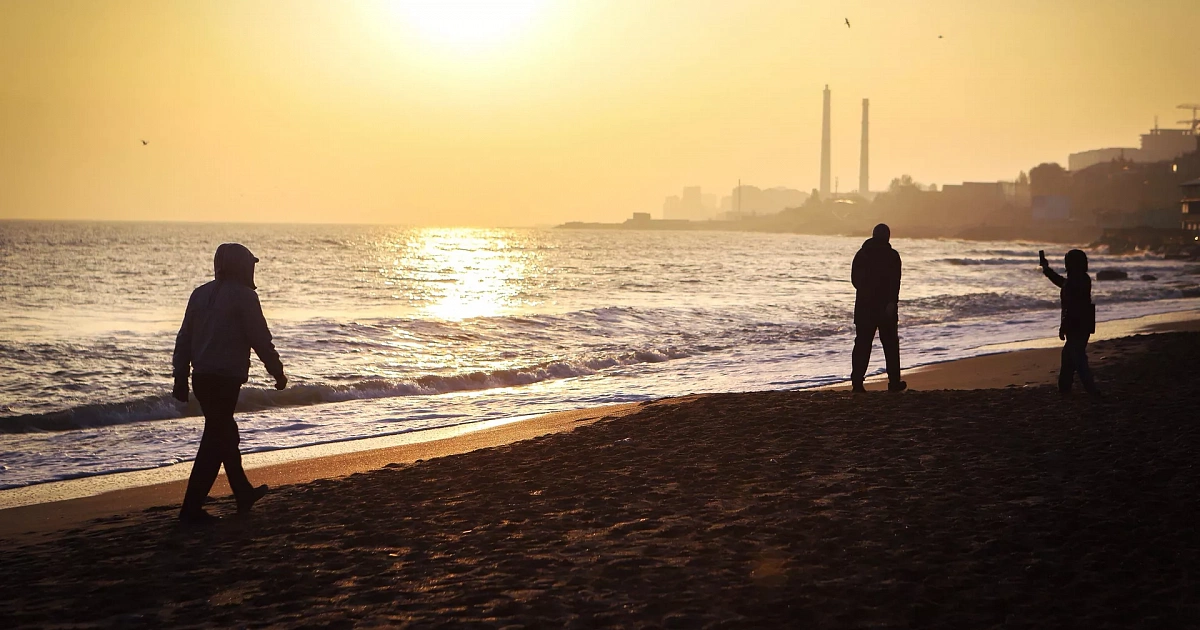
749,201
1190,205
1157,145
975,198
1166,144
1050,208
1160,218
690,206
1084,159
671,207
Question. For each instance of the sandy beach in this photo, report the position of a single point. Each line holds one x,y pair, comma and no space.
518,314
1004,507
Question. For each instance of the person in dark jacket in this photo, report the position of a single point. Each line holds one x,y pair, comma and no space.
223,322
876,278
1078,320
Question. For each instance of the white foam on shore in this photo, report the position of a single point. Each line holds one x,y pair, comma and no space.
99,484
1112,329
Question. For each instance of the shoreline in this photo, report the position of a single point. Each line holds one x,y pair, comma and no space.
54,506
1015,507
1041,354
70,504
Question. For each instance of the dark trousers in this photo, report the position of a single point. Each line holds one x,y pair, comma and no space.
865,326
218,397
1074,359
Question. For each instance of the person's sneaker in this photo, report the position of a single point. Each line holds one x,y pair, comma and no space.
898,386
255,494
858,388
199,517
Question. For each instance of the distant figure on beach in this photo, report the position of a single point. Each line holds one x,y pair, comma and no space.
223,322
876,278
1078,320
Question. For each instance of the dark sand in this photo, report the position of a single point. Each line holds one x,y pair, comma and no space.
50,518
1010,507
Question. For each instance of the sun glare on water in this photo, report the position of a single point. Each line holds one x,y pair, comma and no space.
469,24
475,272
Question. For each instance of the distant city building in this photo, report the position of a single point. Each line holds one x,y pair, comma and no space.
1051,208
981,199
671,207
1166,144
779,198
1157,146
689,206
748,201
1084,159
1190,205
1162,218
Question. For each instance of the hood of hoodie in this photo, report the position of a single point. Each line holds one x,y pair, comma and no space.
235,263
1076,262
874,243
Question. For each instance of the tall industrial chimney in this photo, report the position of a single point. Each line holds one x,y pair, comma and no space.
825,147
863,172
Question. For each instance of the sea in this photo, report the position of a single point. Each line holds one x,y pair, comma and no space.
386,330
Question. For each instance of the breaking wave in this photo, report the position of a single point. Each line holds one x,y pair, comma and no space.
256,399
967,262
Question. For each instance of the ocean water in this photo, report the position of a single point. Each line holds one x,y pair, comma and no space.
386,330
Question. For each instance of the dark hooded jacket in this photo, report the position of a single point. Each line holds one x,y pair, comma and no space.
1078,313
224,321
876,277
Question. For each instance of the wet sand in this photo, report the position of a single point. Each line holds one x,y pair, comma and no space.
1004,507
91,499
45,509
50,508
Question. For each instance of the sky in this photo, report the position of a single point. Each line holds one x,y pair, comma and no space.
535,112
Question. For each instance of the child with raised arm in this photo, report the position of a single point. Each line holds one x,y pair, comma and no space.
1078,319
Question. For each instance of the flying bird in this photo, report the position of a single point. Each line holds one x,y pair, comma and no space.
847,22
939,36
144,143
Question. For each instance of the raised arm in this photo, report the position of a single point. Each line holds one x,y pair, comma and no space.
1054,277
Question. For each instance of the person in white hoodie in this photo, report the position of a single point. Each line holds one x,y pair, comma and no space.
223,322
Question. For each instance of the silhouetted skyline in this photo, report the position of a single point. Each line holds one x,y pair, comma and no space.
534,112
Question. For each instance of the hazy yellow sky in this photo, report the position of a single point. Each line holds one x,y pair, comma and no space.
558,110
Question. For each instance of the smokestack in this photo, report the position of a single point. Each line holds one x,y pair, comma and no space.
863,172
825,147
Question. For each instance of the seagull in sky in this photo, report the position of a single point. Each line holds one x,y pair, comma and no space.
144,143
847,22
